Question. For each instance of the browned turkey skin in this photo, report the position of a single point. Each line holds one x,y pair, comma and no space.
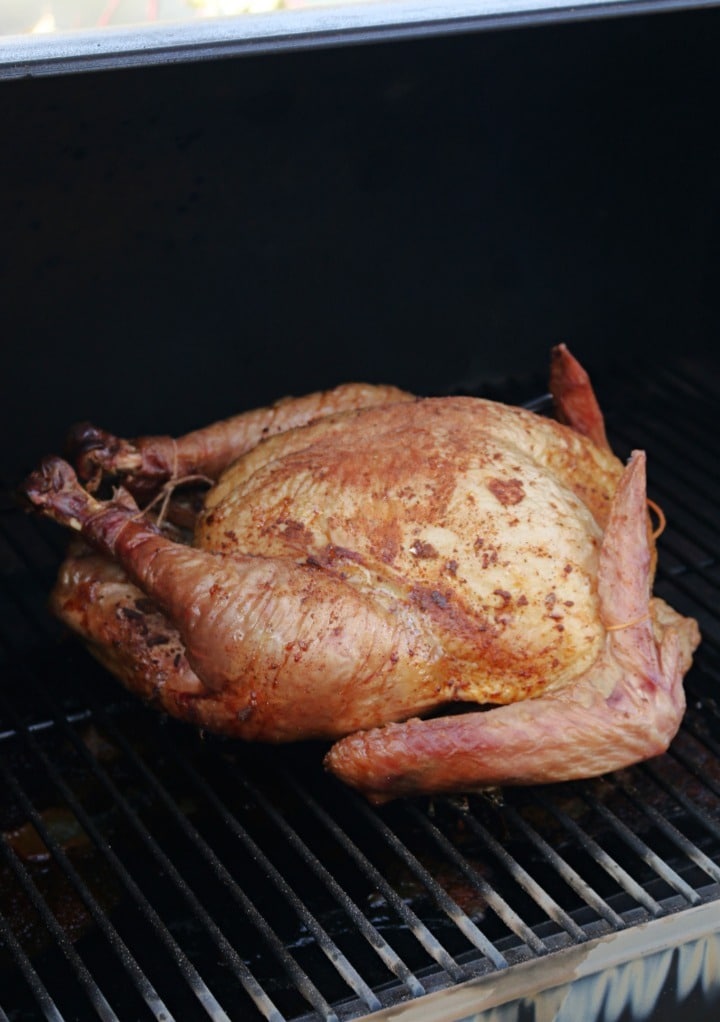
366,557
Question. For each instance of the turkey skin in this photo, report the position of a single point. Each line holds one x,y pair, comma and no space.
364,559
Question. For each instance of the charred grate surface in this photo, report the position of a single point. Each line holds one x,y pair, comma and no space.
148,872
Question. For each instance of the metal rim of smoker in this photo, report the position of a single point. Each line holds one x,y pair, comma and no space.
204,39
561,975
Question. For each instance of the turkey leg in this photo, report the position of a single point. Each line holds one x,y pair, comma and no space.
301,653
147,462
626,708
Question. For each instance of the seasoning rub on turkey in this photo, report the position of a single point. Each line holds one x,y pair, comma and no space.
365,558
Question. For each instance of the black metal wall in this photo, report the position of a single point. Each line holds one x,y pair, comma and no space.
181,242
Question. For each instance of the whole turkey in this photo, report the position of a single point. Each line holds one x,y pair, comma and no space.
365,558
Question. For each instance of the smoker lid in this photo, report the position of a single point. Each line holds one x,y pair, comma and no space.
193,39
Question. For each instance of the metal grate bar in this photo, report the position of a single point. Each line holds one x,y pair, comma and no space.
375,939
301,980
708,663
443,900
574,887
690,417
698,569
422,934
641,849
263,1002
303,983
714,747
142,984
682,584
498,904
37,545
43,725
664,480
569,875
690,848
606,861
682,527
82,974
260,998
681,390
520,875
677,753
140,981
328,946
189,973
254,989
670,831
667,442
42,997
684,375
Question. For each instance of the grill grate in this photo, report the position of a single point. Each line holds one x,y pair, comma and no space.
149,872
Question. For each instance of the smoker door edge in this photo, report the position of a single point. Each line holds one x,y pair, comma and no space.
205,38
695,929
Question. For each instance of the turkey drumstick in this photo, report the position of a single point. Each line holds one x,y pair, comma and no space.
267,631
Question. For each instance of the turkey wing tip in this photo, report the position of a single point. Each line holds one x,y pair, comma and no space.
576,404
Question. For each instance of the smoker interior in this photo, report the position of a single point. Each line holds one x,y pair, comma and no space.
152,872
183,242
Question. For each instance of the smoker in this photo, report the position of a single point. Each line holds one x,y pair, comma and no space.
200,216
